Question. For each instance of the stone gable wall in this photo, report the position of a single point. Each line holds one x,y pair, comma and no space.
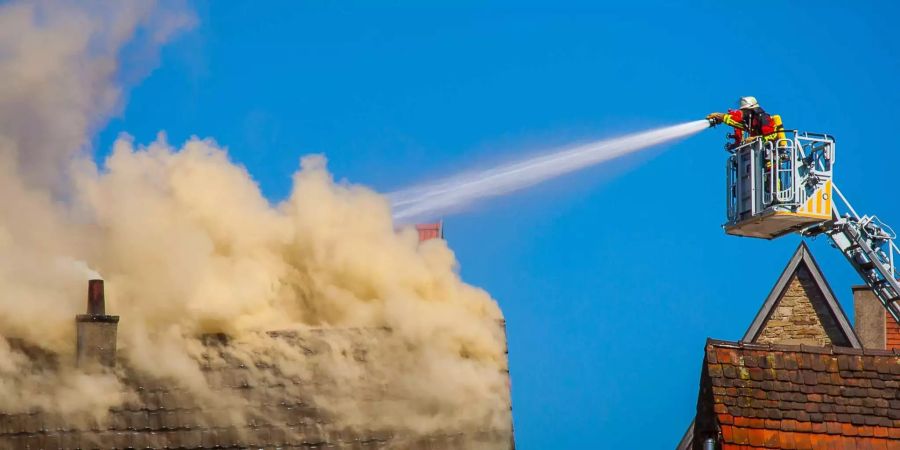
801,316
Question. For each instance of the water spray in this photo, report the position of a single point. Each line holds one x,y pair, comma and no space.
456,192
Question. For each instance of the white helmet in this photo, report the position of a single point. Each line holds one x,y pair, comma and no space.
747,103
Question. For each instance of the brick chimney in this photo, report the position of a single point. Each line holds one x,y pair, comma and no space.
96,331
874,326
428,231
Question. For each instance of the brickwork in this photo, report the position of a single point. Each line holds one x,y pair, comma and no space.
801,316
892,332
875,327
428,231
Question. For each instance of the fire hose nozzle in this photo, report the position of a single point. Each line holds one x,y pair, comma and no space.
714,119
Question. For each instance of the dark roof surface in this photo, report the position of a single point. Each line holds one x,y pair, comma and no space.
279,412
782,396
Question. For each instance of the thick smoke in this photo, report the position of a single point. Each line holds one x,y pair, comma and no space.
188,246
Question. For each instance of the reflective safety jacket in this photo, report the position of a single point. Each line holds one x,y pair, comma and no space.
750,123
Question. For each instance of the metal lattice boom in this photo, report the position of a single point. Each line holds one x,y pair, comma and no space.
868,244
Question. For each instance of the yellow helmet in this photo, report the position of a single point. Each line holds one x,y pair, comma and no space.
747,103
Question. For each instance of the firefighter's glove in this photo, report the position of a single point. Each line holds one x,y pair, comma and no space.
715,118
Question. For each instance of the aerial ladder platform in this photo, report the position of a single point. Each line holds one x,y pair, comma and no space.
786,186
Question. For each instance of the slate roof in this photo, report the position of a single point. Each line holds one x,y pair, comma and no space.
167,417
794,397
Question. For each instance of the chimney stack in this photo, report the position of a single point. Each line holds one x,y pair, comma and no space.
874,326
96,331
96,300
428,231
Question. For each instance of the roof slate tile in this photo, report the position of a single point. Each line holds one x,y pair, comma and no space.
281,415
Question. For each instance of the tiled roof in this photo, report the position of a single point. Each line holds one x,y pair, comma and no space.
793,397
280,410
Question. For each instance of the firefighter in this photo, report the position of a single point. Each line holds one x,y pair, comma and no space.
749,121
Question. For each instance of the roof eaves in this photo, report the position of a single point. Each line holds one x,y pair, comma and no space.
687,441
802,348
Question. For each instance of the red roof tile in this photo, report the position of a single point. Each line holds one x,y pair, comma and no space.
780,396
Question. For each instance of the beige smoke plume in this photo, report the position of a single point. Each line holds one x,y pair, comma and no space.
188,245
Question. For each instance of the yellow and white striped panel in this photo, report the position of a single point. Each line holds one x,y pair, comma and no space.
819,203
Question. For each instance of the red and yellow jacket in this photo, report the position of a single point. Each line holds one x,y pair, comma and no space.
759,124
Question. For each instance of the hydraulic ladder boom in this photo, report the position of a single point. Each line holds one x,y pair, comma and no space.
868,244
785,185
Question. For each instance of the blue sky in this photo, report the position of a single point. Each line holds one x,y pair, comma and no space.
610,279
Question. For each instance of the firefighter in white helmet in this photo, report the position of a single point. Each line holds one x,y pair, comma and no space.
749,121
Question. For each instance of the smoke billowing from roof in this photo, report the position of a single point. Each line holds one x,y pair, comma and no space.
188,245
